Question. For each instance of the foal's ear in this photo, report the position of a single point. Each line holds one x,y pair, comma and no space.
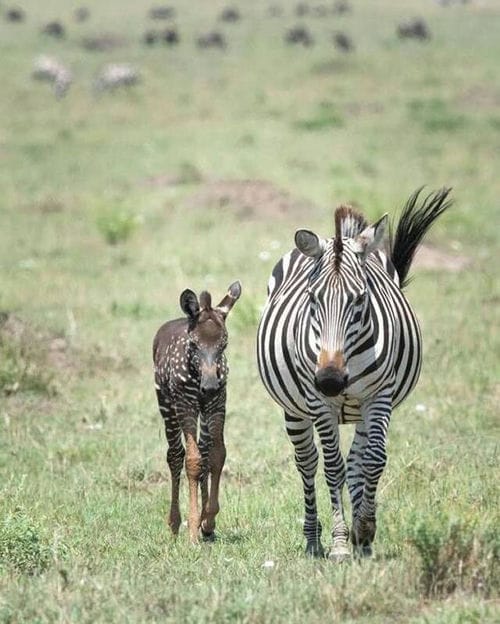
371,238
309,243
189,304
206,300
232,296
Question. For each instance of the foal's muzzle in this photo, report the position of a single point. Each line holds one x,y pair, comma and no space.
208,387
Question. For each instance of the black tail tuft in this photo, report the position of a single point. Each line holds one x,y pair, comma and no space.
415,220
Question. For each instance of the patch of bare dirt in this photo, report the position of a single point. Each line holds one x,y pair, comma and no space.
433,258
52,349
187,174
248,199
481,97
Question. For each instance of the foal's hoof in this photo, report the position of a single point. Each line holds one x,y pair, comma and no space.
339,554
207,536
315,550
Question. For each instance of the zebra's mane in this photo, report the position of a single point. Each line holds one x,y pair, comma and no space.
348,224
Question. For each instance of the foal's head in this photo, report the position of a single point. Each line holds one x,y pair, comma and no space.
208,336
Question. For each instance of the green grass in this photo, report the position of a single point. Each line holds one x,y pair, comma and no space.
83,479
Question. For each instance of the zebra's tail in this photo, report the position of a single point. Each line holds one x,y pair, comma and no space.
415,221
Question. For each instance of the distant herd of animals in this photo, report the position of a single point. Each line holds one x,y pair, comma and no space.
113,75
337,343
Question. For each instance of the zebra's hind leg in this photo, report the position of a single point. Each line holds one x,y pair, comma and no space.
301,434
335,477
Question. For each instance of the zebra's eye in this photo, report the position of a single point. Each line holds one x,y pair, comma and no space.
310,294
359,299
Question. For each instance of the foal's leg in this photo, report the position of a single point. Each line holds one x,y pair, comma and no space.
189,421
301,434
328,430
376,415
203,446
216,459
175,457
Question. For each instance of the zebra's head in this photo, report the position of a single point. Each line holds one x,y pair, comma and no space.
338,293
207,336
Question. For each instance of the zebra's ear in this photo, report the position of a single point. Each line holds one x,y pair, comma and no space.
371,238
309,243
189,304
232,296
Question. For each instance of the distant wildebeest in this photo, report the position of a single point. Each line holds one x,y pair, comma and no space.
343,42
15,14
162,12
190,371
414,29
213,39
115,75
339,343
230,14
51,70
299,35
54,29
170,36
82,14
341,7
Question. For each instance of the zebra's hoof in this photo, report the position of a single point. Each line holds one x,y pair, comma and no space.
315,550
363,551
339,554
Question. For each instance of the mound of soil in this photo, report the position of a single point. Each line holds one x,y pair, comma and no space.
248,199
47,348
433,258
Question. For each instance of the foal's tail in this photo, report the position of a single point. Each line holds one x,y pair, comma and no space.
415,220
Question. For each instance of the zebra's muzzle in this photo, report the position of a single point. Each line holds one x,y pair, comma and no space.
330,381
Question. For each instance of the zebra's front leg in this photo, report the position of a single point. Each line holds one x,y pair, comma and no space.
301,434
354,476
334,467
376,417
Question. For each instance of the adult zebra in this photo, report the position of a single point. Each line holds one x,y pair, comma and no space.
339,343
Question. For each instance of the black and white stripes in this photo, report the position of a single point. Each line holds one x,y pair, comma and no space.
339,343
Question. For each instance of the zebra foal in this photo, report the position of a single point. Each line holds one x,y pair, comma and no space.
190,371
339,343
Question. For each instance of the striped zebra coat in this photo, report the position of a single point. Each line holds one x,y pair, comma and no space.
339,343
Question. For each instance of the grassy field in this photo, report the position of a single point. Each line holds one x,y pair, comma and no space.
109,209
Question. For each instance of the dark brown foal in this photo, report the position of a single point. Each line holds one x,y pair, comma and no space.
190,379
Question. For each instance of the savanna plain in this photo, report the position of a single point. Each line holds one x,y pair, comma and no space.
113,202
